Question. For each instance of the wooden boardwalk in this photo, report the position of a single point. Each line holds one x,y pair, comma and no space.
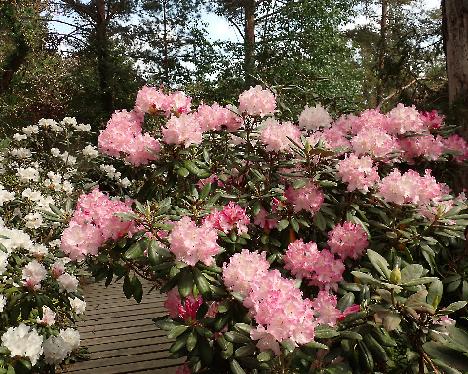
120,334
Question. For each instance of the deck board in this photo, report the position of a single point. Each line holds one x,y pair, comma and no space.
120,335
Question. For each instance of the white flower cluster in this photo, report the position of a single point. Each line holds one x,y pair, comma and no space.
25,341
112,173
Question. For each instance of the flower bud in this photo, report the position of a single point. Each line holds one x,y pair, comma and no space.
395,276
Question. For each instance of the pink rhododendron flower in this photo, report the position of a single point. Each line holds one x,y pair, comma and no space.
456,145
93,223
375,142
276,136
191,243
334,138
309,198
123,135
243,270
328,270
278,305
230,217
183,369
262,219
411,188
300,258
368,119
266,341
348,240
355,308
48,316
427,146
312,118
358,172
216,117
404,119
325,308
151,100
186,309
432,120
183,130
257,102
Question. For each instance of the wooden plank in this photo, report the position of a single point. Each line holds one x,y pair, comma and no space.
120,334
141,339
134,367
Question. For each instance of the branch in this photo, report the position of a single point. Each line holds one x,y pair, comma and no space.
399,91
230,20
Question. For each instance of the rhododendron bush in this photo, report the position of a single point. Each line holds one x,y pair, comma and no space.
311,244
44,169
284,245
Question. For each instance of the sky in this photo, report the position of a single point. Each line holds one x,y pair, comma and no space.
220,29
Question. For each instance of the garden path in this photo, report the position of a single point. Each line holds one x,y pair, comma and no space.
120,335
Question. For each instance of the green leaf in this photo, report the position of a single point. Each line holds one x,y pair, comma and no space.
453,307
183,172
137,289
191,341
282,224
294,224
202,283
235,337
247,350
136,250
350,335
410,272
417,282
177,331
435,291
365,278
316,345
379,262
205,191
186,283
127,287
265,356
325,332
236,368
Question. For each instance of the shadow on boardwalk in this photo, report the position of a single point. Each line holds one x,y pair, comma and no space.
120,334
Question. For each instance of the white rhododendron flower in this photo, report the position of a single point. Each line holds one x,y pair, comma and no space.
82,127
48,316
32,195
33,274
90,151
21,153
29,130
18,137
3,301
6,196
28,174
23,341
3,261
72,337
313,118
68,282
33,220
38,250
56,349
78,305
71,121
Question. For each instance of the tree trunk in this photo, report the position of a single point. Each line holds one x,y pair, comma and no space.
249,41
382,51
17,57
455,16
103,63
166,48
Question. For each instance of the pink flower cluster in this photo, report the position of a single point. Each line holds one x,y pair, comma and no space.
215,117
183,130
243,270
458,146
411,188
187,310
402,133
257,102
309,198
275,302
348,240
93,223
153,100
276,136
191,243
358,172
230,217
304,260
123,135
263,220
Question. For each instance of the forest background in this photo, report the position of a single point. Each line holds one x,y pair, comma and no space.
87,58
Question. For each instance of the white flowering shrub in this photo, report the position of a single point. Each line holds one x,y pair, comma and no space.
319,247
43,171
